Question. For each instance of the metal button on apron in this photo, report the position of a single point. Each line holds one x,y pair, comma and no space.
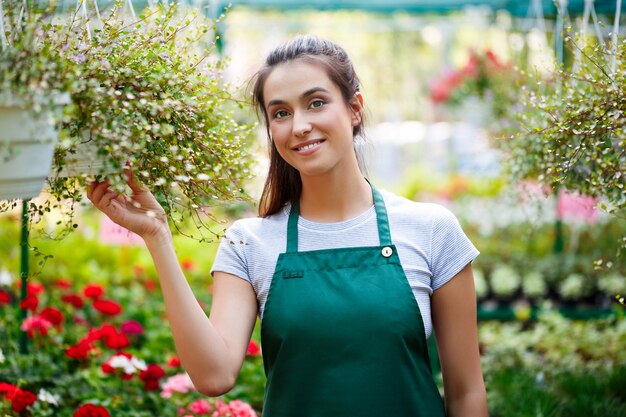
387,251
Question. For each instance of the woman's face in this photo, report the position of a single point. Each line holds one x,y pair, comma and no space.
309,121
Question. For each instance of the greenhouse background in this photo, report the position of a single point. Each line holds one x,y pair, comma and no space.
509,113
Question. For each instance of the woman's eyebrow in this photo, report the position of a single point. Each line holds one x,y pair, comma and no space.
302,96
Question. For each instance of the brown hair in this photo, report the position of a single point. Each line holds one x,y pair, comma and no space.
283,183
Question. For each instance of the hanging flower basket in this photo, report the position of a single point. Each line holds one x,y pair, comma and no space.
27,141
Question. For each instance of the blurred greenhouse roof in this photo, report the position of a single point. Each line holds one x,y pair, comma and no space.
520,8
515,7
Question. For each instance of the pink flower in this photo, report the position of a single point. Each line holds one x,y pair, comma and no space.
573,206
200,407
35,324
177,383
131,327
235,408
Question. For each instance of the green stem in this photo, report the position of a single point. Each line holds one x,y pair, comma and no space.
23,340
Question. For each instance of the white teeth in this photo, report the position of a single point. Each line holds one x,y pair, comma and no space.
309,146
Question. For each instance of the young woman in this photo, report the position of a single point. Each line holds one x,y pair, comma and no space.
348,281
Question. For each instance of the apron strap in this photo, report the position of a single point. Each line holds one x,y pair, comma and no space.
384,235
292,228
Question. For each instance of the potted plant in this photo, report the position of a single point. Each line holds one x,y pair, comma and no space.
572,129
149,94
33,77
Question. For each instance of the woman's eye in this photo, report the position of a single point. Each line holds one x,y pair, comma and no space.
280,114
315,104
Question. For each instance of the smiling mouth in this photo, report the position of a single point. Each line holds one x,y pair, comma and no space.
309,145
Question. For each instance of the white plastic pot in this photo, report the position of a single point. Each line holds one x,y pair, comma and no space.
27,143
85,162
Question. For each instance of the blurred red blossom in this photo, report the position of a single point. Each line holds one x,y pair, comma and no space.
30,302
34,288
93,291
62,283
91,410
35,324
188,264
107,307
173,361
80,351
151,377
73,299
53,315
5,298
253,349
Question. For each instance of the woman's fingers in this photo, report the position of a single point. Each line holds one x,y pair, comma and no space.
132,182
106,199
98,191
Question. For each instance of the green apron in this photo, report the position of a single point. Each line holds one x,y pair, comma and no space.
342,333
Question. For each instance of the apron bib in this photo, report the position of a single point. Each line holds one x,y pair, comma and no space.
342,334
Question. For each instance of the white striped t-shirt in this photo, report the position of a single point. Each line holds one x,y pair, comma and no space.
430,242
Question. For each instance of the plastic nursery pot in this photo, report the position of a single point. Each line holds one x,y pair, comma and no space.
85,161
27,141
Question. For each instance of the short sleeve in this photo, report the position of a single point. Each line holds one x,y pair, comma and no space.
451,250
231,256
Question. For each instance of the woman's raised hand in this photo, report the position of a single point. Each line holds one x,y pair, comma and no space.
140,213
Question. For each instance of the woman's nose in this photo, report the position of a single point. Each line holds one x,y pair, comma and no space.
301,125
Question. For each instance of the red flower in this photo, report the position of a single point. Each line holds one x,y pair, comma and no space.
80,351
63,284
107,307
34,288
53,315
30,302
173,361
93,291
187,264
5,298
73,299
253,349
116,341
35,324
90,410
150,285
101,332
5,387
151,377
20,399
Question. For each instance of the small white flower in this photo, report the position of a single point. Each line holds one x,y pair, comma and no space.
138,364
1,356
6,278
202,177
47,397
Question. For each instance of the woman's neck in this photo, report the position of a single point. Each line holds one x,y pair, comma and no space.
335,197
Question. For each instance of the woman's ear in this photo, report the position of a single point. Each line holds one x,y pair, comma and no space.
356,105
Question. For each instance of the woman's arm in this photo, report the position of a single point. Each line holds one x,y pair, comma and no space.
454,323
212,349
